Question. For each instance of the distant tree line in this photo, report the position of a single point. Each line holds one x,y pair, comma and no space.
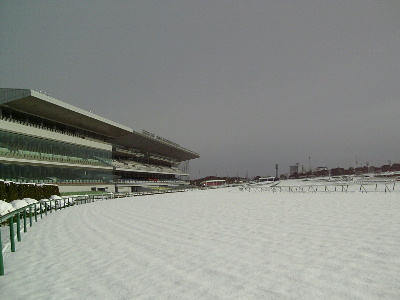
350,171
317,173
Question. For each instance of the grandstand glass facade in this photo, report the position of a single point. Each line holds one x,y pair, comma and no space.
30,173
46,140
23,146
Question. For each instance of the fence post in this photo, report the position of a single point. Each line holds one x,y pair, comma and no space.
41,213
25,220
12,241
35,212
364,190
30,215
386,188
1,257
18,227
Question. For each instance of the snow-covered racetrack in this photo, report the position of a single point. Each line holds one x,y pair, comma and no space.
214,244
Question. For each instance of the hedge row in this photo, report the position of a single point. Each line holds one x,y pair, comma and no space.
10,191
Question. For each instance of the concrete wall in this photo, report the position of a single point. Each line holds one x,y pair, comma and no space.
86,188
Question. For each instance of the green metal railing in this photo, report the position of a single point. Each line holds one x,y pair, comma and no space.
30,214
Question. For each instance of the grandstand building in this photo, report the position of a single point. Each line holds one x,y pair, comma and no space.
45,140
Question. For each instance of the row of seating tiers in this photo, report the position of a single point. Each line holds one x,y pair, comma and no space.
128,164
48,156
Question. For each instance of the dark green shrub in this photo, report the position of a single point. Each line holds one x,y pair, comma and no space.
10,191
49,190
24,191
2,190
37,191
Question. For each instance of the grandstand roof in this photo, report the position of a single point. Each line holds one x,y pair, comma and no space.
40,104
147,144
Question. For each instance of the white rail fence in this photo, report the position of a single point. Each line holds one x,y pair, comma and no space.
387,187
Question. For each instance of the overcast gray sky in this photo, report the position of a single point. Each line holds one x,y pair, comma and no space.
246,84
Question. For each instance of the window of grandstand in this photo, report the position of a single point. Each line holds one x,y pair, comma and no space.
23,146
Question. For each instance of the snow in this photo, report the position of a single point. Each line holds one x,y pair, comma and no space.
29,201
213,244
17,204
5,208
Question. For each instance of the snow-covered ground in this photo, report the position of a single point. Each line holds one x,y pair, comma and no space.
213,244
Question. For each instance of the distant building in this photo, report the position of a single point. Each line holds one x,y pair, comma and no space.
294,169
214,183
321,169
270,178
